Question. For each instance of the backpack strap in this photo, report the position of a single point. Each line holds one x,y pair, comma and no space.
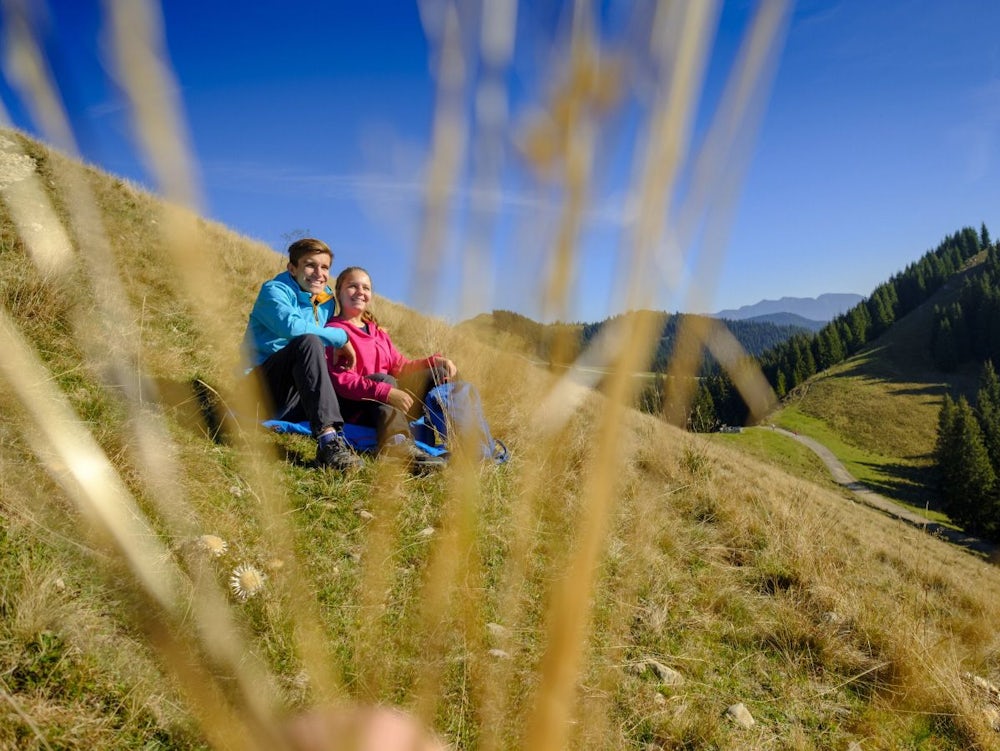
500,452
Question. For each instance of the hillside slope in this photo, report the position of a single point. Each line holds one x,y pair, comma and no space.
885,401
619,584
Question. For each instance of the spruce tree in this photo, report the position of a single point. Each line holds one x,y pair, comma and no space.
969,496
988,413
946,449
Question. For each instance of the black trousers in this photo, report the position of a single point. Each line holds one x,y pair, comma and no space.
297,384
386,419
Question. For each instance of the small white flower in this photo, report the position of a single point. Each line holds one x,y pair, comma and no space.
214,545
246,581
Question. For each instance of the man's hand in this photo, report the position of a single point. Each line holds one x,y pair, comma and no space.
400,400
346,356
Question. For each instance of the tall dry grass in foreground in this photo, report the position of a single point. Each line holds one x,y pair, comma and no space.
618,585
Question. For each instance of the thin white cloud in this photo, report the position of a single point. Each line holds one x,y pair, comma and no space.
607,212
977,134
104,109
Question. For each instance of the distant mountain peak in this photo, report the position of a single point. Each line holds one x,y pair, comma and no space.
824,308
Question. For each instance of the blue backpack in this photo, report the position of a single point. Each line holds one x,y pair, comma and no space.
453,409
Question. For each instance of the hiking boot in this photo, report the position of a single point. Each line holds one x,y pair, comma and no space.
336,454
418,460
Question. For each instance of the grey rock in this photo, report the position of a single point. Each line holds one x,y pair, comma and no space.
739,714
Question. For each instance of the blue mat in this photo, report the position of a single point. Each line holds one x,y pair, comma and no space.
360,437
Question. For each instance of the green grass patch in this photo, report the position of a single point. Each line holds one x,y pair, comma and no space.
779,450
906,483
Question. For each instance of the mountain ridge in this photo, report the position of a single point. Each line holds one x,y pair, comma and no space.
825,307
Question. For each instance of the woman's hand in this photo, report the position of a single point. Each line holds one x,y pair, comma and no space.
446,368
400,400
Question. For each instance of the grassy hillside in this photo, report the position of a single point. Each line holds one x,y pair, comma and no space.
619,584
878,410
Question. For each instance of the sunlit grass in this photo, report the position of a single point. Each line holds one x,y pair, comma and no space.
779,450
886,475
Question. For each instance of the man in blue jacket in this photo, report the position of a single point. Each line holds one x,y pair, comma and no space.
286,341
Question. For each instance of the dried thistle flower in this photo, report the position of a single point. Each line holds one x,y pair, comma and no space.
214,545
246,581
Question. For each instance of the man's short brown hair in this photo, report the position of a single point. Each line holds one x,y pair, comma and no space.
307,246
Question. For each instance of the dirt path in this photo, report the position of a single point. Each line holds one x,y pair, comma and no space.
869,497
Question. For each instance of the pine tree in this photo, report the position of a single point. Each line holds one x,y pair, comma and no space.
780,387
969,493
943,342
880,309
860,322
946,448
988,413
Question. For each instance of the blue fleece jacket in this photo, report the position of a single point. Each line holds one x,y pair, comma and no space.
283,311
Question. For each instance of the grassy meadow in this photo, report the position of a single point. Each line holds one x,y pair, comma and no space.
619,584
773,448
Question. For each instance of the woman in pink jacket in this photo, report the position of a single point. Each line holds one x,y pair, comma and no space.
384,389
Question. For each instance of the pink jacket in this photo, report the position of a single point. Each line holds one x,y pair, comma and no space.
375,354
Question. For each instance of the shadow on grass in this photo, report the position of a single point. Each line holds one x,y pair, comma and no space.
902,483
913,486
198,407
194,405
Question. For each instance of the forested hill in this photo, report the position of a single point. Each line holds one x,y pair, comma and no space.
792,362
966,334
947,342
507,329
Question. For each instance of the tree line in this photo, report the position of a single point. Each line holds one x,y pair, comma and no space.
791,362
968,329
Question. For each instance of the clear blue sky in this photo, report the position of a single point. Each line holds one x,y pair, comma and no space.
880,136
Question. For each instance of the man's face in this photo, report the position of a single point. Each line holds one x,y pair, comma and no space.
311,272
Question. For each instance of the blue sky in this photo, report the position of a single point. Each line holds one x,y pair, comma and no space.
881,135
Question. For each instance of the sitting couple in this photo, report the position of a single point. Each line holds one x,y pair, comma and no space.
315,365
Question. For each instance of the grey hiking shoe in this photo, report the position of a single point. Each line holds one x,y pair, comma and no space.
336,454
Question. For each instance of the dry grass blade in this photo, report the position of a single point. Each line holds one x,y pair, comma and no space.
81,467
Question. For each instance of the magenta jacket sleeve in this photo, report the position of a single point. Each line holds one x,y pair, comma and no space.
402,365
352,385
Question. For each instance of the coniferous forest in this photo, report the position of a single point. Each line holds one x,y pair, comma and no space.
967,456
965,334
800,356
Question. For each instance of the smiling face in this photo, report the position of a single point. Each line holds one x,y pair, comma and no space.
311,271
354,293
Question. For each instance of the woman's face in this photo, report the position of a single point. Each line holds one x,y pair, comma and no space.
355,294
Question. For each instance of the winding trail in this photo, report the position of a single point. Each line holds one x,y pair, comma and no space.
870,498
